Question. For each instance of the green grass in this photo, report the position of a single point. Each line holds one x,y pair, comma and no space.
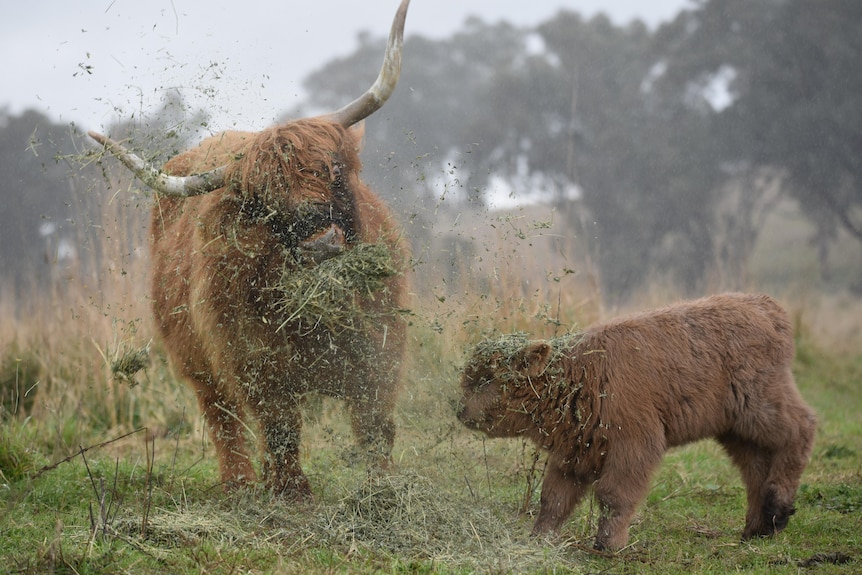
149,502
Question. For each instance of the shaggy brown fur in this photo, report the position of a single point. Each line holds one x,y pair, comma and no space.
217,261
607,403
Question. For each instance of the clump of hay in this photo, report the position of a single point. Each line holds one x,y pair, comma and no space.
505,347
124,367
329,293
397,512
168,529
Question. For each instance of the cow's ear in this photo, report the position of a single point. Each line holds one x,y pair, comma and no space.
357,130
533,360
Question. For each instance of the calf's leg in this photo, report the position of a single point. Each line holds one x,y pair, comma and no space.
560,494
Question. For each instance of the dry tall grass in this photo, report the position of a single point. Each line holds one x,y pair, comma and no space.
521,271
70,332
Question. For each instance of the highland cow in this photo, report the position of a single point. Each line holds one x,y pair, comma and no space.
233,218
607,404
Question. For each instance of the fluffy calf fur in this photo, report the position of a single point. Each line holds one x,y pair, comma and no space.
607,403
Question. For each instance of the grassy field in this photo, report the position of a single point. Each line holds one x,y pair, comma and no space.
104,475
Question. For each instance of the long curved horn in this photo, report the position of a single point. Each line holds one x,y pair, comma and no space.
168,185
376,96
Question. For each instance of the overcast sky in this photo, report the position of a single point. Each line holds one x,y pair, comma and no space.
94,61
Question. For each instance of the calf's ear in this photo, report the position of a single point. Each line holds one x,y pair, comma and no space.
533,359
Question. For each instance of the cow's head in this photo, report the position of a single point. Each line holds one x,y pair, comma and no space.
301,172
301,179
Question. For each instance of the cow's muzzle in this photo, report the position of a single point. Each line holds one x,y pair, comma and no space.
323,245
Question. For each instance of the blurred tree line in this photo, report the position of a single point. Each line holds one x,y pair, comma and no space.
57,199
662,149
678,141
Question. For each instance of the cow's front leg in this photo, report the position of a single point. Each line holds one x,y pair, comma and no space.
281,426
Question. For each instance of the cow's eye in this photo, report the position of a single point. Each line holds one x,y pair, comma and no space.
336,174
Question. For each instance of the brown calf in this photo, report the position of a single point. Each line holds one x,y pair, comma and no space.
607,403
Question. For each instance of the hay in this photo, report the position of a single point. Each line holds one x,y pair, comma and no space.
407,515
401,515
165,528
329,293
130,363
506,346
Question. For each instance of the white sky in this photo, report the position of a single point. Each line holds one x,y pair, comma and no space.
94,61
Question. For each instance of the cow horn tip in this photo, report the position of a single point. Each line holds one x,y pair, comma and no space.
97,136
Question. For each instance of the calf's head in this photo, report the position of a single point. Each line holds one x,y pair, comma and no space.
499,395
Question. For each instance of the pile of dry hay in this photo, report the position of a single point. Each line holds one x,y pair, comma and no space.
407,516
329,293
401,515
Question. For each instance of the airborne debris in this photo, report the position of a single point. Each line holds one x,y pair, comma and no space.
131,362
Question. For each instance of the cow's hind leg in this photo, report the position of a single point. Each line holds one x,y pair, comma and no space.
224,420
374,428
370,398
796,435
772,462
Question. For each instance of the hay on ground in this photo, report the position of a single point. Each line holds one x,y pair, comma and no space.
404,515
407,515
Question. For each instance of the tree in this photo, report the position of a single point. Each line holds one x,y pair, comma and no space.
796,88
55,197
638,160
41,214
